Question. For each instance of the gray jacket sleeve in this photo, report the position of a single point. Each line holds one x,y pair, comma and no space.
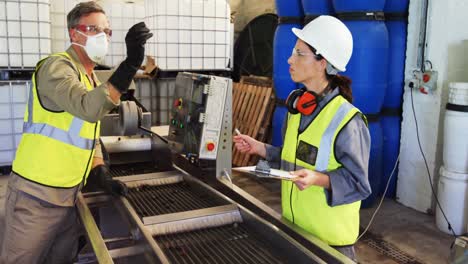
273,154
61,90
352,147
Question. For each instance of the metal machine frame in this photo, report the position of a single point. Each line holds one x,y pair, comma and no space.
149,250
130,237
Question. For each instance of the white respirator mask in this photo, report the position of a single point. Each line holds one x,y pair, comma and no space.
96,46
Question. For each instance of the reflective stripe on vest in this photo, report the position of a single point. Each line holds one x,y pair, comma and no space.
72,136
309,209
326,144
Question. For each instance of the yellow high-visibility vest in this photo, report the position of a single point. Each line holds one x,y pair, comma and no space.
56,148
337,225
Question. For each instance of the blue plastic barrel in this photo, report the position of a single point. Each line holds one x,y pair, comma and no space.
317,7
396,21
278,120
283,44
391,126
369,61
396,6
368,66
358,5
289,8
375,162
396,63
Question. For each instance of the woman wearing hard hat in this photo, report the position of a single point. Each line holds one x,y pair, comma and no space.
326,139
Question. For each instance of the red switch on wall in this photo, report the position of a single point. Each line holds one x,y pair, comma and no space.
428,81
426,77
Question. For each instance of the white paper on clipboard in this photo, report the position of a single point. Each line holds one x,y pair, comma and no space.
274,174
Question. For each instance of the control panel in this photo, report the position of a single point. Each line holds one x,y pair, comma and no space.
201,117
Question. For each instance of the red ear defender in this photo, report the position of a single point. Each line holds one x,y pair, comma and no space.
307,103
302,101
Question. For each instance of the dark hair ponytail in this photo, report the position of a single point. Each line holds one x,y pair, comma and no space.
343,83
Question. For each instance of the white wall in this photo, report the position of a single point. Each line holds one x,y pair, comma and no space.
447,49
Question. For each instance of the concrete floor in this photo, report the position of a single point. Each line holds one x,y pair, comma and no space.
405,234
412,235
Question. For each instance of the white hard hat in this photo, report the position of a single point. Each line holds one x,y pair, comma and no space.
330,37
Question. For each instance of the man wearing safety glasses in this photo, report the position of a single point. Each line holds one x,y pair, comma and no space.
59,147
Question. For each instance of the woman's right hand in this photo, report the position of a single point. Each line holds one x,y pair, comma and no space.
249,145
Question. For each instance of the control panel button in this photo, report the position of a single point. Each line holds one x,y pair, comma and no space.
210,146
178,103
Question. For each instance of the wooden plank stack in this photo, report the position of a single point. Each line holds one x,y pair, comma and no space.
253,105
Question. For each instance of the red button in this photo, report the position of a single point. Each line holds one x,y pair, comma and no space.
210,146
426,77
178,102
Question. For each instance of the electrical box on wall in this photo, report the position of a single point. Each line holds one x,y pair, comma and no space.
428,81
425,82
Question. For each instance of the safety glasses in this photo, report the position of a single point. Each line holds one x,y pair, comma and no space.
298,53
93,29
301,54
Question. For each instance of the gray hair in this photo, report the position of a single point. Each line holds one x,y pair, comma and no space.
82,9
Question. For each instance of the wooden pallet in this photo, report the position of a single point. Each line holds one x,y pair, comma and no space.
253,105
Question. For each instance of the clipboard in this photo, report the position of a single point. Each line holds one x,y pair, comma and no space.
272,174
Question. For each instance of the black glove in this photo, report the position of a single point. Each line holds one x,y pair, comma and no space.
135,40
101,176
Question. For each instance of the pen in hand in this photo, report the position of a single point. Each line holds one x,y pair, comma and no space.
239,133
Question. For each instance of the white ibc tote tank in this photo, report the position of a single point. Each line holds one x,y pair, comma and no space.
189,34
455,153
24,33
122,16
13,100
58,17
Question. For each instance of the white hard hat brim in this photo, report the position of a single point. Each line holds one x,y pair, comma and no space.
298,32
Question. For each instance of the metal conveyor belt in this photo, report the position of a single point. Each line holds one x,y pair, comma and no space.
132,169
225,244
151,200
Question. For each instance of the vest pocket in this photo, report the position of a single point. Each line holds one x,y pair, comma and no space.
306,152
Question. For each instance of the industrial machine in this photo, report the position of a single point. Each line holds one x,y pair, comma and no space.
182,206
201,126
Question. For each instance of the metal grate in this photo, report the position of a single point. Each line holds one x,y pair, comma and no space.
132,169
149,200
389,250
226,244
